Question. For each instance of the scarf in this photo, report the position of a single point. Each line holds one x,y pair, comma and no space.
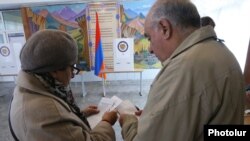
62,92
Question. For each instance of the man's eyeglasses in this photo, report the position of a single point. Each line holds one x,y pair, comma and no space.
75,70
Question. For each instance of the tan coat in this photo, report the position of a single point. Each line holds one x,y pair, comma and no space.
37,115
201,83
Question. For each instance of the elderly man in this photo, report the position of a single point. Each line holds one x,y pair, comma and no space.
200,82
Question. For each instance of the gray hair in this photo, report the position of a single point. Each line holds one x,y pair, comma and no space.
207,21
179,13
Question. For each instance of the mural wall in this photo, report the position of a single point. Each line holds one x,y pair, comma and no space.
75,19
133,15
69,18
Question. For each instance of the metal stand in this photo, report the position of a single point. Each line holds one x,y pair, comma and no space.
84,93
112,71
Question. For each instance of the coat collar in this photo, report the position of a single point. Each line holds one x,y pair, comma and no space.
28,81
197,36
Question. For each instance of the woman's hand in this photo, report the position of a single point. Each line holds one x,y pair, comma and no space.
90,110
110,117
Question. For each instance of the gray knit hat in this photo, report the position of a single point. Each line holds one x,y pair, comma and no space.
48,50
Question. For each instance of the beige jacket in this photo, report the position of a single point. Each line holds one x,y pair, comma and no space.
201,83
37,115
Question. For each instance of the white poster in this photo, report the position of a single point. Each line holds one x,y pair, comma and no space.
109,20
7,60
124,54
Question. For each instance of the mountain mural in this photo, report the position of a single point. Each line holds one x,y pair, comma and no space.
51,23
130,14
43,12
83,12
138,24
61,17
142,16
65,16
66,13
134,20
65,22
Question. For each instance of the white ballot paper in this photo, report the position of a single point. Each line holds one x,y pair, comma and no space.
105,104
126,107
117,101
109,104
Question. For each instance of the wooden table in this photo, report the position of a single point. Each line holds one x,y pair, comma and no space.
125,71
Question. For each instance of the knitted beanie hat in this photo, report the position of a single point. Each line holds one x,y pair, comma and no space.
48,50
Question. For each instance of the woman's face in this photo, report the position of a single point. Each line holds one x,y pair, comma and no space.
64,76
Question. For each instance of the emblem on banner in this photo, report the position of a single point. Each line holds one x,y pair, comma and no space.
122,46
4,51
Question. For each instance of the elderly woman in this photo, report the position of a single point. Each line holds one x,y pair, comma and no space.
43,107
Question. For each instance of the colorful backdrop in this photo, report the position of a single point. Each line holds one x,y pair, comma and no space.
133,15
69,18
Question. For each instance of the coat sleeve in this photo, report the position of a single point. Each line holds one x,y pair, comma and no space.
54,122
103,131
70,132
129,127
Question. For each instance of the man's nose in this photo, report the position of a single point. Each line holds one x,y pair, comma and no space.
150,50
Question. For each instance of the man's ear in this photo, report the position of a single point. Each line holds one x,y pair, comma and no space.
166,28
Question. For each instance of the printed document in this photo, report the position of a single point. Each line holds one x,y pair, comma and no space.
110,104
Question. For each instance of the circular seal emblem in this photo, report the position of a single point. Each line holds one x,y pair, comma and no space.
4,50
122,46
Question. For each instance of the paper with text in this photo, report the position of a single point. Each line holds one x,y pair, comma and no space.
104,105
126,107
109,104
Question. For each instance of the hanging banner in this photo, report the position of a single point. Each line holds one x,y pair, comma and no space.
109,19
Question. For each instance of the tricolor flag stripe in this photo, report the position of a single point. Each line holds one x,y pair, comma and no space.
99,62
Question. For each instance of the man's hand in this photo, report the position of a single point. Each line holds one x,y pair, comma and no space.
110,117
126,118
138,113
90,110
121,119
